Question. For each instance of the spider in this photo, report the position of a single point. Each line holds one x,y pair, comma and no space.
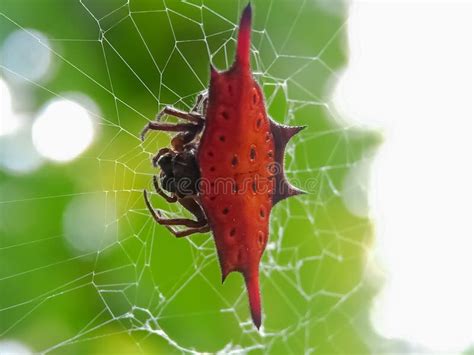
228,136
180,174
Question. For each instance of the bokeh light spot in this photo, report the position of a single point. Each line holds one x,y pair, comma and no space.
26,55
9,122
63,130
89,223
13,347
18,154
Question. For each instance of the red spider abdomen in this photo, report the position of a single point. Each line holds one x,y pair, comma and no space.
236,160
240,156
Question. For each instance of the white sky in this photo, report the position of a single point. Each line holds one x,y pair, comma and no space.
410,75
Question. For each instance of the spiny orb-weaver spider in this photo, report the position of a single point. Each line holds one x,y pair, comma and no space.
225,166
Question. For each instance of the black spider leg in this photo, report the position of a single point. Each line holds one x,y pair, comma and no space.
195,117
159,191
185,233
194,207
199,225
198,102
200,105
167,127
190,204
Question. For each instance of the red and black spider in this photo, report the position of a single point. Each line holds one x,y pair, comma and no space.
225,166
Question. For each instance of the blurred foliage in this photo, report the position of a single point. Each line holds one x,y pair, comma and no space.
146,291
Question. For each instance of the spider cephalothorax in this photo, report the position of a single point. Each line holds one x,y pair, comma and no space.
228,138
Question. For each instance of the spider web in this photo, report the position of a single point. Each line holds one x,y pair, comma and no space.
142,290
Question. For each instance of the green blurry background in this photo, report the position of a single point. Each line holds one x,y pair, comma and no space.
128,285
